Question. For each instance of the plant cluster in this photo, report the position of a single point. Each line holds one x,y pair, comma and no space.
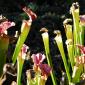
74,62
75,46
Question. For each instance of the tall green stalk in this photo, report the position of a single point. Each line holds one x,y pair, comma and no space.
59,42
70,50
75,13
20,63
4,42
77,39
82,33
68,28
25,28
45,37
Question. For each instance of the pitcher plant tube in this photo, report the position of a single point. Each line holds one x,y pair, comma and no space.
4,42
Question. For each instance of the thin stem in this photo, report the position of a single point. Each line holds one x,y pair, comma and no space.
19,71
45,37
59,42
70,50
25,30
75,14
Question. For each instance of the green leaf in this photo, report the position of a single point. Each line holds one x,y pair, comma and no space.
25,30
45,37
82,33
70,50
59,42
76,30
20,63
69,33
77,73
4,42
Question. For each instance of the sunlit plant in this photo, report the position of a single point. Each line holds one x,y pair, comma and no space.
4,41
20,49
45,37
20,61
42,71
73,58
75,46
